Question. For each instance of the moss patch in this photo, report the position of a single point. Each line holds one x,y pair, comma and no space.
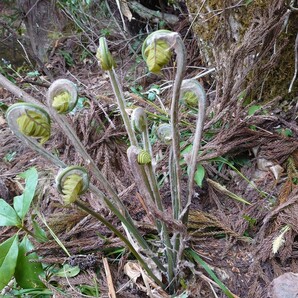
221,28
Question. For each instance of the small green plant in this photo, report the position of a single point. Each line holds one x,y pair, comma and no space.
14,261
9,156
192,254
67,57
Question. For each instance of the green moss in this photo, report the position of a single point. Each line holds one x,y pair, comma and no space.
211,28
213,12
277,79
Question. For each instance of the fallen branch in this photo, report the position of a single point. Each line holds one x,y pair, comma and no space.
153,15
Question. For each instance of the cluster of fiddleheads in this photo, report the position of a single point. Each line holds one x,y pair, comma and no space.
157,52
32,122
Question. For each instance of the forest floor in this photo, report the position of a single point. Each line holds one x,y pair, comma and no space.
255,158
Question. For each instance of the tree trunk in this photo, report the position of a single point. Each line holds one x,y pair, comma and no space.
252,47
42,21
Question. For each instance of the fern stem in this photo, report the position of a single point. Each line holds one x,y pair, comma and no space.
121,104
196,88
181,67
144,265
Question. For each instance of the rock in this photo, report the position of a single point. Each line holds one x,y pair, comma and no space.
284,286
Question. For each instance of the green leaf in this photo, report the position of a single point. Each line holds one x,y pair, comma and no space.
9,156
151,96
286,132
183,152
253,109
40,293
247,2
39,233
157,54
8,260
32,74
8,216
242,95
3,106
27,272
71,188
192,254
22,203
82,103
68,271
199,175
187,149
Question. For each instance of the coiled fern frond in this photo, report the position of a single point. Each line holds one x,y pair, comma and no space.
72,188
62,96
144,157
156,52
71,183
34,124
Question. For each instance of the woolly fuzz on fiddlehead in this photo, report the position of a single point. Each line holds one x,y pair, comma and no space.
72,182
62,96
140,125
193,94
139,120
104,56
164,133
156,51
29,120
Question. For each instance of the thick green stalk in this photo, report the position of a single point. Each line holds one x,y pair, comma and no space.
21,94
149,169
161,226
176,204
174,41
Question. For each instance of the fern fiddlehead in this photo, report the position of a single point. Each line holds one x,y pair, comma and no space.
31,123
35,124
158,53
104,56
174,41
107,63
72,182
